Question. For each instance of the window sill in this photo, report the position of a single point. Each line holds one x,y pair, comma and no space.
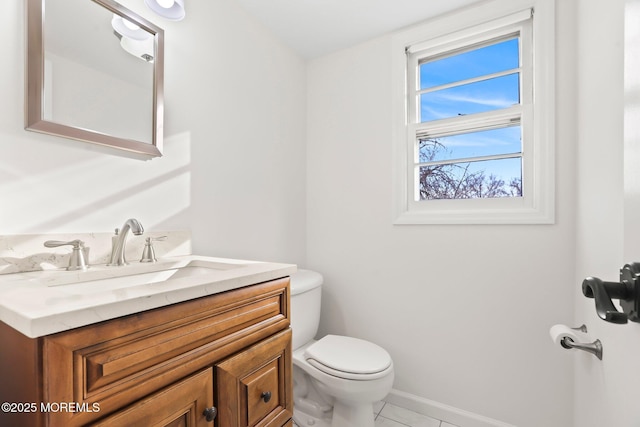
476,211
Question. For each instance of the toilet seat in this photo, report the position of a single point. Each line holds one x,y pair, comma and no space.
349,358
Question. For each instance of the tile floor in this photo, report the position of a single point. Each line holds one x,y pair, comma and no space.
388,415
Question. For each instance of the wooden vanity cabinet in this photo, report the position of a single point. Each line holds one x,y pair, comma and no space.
169,366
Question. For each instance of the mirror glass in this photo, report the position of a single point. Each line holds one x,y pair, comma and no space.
95,74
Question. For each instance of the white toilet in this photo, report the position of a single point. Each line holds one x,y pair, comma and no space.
336,379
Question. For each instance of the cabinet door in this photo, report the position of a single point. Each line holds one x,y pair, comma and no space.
182,404
254,386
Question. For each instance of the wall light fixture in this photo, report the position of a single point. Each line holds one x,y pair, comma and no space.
169,9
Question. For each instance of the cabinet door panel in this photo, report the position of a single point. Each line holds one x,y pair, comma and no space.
254,386
179,405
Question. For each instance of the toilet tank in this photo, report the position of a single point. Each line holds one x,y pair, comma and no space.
306,293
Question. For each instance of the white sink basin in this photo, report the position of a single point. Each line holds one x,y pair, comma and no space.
145,274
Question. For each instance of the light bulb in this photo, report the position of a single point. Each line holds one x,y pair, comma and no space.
130,24
165,3
128,28
168,9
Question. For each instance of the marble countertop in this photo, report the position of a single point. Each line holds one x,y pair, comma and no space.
45,302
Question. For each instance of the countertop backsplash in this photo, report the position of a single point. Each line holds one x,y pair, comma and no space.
26,252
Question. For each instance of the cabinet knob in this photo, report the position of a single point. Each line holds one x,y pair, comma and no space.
210,413
266,396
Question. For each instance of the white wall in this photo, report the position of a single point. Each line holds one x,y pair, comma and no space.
463,310
234,152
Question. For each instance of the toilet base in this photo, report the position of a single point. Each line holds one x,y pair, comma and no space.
305,420
343,416
348,416
312,407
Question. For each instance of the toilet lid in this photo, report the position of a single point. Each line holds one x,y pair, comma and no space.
348,357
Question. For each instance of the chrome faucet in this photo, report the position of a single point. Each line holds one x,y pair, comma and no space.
118,248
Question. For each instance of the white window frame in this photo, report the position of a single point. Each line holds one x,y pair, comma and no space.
537,111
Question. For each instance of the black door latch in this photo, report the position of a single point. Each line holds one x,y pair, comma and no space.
626,291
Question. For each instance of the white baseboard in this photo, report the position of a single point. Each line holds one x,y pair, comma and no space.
440,411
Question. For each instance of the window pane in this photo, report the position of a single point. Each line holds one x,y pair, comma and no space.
475,144
478,97
467,65
471,180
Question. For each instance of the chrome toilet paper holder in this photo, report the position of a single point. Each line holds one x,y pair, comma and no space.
564,335
594,348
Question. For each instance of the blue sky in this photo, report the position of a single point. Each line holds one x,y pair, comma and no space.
475,63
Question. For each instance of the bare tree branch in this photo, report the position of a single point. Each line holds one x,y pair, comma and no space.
455,181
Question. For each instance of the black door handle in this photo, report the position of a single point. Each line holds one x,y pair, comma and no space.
603,293
627,291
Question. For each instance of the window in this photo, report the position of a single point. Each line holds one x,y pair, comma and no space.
475,144
474,155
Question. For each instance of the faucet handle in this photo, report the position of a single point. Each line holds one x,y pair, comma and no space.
77,260
148,254
55,243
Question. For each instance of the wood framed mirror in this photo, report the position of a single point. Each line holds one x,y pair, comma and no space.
87,81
